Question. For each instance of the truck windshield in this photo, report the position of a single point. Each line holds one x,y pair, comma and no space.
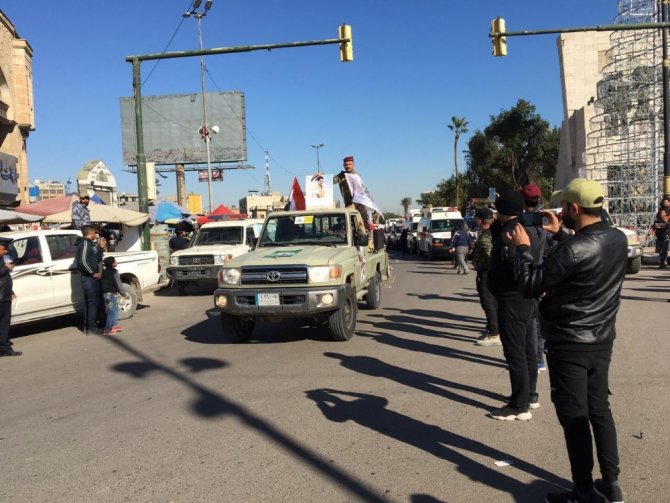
219,236
323,229
443,225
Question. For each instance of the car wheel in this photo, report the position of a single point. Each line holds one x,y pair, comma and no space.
127,304
374,296
342,323
634,265
237,328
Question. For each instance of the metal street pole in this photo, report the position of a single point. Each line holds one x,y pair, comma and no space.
318,162
666,100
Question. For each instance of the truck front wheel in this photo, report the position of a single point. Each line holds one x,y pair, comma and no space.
127,304
237,328
634,265
342,323
374,296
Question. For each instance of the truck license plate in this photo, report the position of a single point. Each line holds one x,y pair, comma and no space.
267,299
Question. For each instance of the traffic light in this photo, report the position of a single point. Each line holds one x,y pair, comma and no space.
346,48
499,41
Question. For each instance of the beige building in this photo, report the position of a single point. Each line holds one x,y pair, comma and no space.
258,206
17,115
49,189
96,178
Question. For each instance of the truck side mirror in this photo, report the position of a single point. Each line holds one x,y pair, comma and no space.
362,239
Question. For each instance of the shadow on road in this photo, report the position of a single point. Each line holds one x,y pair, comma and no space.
370,412
418,380
212,405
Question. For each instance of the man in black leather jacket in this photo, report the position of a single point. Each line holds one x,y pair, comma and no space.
581,282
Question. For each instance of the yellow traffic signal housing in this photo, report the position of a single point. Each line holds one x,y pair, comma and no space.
499,41
346,48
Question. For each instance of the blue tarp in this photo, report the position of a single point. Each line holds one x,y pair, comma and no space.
96,199
167,210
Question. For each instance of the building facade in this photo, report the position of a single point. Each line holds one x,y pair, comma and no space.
17,116
48,189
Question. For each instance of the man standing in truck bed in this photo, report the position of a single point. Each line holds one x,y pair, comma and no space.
345,190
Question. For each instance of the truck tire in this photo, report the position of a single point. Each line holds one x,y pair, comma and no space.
634,265
127,306
374,296
237,328
342,323
181,288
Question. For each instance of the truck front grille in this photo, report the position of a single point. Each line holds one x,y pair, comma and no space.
274,275
196,260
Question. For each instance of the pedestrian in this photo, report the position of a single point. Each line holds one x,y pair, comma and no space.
582,278
81,215
112,289
532,195
403,240
661,223
178,241
88,258
481,260
6,298
516,313
461,242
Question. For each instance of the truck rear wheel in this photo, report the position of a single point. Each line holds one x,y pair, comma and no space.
374,296
342,323
634,265
237,328
127,306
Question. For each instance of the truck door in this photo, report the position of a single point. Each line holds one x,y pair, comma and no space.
64,274
31,276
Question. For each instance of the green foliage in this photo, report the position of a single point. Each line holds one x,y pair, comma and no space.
516,148
390,214
406,202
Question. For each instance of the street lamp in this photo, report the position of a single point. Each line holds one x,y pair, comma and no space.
205,130
318,162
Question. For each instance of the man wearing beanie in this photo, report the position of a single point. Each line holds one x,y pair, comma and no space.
516,313
581,279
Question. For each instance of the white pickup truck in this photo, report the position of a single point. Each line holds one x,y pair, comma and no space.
46,281
214,243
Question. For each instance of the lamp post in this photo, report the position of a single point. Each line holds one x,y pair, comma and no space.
205,132
318,162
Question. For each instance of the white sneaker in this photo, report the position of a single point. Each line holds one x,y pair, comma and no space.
490,340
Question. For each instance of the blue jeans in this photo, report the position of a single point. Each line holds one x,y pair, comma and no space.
662,249
112,308
91,289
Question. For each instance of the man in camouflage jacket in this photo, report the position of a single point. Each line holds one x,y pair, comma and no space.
481,259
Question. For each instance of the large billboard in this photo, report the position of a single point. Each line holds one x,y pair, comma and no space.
172,126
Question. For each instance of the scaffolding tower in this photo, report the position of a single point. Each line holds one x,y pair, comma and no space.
624,148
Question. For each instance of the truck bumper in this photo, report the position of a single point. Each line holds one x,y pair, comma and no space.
193,273
293,302
634,251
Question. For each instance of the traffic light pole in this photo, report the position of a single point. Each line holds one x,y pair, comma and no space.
498,37
135,61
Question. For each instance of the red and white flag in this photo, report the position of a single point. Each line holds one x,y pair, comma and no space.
296,198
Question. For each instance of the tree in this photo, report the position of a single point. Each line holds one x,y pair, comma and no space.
516,148
459,126
406,202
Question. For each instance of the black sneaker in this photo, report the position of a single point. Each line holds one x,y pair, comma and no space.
11,352
611,492
508,413
574,497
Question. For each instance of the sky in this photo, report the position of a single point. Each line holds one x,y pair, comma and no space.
416,64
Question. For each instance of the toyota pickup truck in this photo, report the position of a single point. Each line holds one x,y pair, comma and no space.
313,265
213,244
46,280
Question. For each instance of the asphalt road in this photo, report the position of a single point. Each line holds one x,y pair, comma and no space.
168,412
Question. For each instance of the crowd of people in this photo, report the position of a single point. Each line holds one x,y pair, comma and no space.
546,291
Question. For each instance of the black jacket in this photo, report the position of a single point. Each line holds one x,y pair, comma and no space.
111,281
501,280
581,279
88,257
6,283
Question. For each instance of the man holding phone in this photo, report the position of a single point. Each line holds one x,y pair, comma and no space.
581,280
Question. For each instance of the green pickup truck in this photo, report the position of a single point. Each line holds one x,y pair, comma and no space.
306,264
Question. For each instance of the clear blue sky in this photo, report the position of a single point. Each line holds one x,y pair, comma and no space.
417,63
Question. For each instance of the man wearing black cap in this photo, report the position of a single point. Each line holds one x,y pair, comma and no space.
6,297
516,313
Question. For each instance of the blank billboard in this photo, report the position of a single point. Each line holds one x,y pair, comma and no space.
172,126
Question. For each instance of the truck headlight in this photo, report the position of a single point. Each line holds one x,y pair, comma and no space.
229,276
437,241
324,273
174,260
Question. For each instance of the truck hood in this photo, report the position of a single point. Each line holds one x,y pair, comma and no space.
291,255
206,250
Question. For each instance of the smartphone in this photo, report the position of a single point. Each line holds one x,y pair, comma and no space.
533,219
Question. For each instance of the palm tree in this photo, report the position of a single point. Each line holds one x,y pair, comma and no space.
459,126
406,203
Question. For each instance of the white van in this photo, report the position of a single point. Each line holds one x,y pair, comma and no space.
412,225
436,230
